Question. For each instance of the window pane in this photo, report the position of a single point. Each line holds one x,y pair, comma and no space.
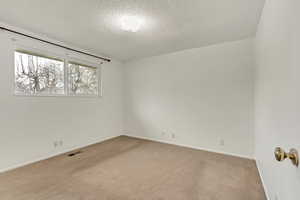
83,80
35,75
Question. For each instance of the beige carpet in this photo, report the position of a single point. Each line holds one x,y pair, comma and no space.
132,169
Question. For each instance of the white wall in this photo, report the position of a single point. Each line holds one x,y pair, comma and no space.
201,95
29,125
277,96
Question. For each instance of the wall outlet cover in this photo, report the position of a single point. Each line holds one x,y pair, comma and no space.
222,142
55,144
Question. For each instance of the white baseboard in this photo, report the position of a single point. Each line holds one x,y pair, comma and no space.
209,150
50,155
190,146
140,137
262,180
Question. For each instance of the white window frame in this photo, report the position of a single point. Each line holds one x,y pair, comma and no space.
65,58
98,68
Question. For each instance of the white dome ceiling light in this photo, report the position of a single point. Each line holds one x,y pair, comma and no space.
131,23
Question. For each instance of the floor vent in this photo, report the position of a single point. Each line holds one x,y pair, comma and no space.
74,153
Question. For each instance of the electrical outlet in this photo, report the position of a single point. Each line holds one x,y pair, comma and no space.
222,142
55,144
173,135
61,143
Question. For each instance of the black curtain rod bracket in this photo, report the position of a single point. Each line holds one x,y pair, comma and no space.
55,44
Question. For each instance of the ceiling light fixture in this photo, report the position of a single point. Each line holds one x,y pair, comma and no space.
131,23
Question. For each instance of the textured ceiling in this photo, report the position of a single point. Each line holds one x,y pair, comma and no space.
170,25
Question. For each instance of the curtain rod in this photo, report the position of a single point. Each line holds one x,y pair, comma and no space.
55,44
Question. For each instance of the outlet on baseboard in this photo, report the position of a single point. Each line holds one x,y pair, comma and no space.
168,134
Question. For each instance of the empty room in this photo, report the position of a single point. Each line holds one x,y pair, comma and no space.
149,100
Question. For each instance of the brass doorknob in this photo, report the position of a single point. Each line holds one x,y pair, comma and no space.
281,155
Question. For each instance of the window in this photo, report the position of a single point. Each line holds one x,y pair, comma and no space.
38,75
82,79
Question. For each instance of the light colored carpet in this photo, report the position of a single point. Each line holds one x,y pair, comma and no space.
126,168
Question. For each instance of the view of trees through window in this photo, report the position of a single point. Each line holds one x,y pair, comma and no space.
39,75
82,79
